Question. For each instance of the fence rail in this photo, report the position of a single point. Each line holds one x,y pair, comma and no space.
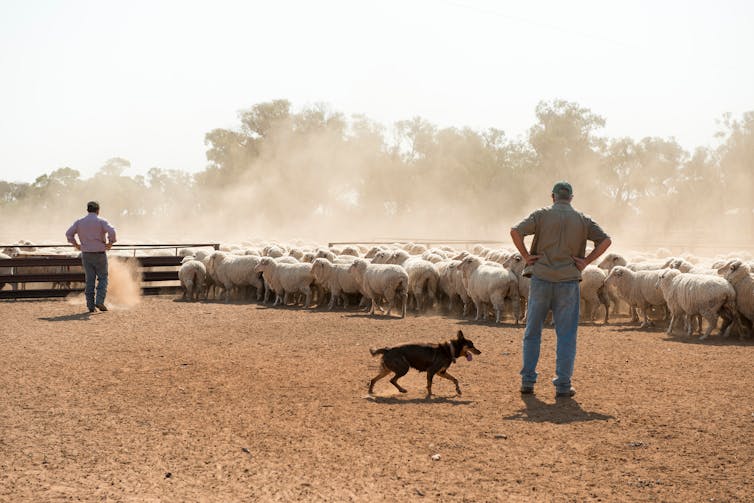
427,242
12,270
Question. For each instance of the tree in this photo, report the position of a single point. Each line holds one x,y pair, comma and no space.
114,167
564,137
260,120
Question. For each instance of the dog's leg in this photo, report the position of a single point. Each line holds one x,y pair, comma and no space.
383,373
400,372
430,375
444,374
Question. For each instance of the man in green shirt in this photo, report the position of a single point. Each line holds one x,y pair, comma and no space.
554,264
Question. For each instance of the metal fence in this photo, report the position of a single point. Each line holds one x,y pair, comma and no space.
62,271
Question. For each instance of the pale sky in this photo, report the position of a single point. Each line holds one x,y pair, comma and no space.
84,81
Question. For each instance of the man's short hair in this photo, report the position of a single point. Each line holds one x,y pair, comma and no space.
92,206
562,190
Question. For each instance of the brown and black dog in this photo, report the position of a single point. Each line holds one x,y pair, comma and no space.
430,358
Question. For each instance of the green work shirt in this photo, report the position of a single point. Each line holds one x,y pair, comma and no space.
560,232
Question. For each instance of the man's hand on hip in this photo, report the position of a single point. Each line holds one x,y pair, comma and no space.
581,263
531,259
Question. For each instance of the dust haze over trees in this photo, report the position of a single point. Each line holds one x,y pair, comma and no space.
317,174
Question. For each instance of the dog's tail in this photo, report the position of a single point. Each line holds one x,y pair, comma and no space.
376,352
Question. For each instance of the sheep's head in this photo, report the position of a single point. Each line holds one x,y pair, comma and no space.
264,264
731,269
358,266
515,262
381,257
398,257
318,268
372,252
611,260
667,276
461,255
617,274
469,263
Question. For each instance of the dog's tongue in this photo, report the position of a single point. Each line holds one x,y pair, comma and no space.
468,356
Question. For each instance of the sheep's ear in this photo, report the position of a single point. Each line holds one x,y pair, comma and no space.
735,265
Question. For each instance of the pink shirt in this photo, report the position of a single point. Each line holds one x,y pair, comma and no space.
92,231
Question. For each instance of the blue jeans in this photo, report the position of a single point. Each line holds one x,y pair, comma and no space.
95,267
563,300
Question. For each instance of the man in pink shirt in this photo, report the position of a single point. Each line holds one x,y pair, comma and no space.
92,231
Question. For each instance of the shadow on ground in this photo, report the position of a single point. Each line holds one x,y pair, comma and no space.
69,317
563,411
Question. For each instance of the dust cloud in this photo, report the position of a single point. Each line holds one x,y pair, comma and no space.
123,287
355,180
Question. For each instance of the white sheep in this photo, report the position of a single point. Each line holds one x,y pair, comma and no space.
287,279
380,281
594,292
296,253
350,250
689,295
287,259
375,249
326,254
422,279
516,264
337,279
432,253
273,251
490,284
451,284
639,289
739,274
5,271
192,276
685,266
499,255
234,271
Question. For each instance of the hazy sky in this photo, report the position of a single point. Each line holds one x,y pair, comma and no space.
84,81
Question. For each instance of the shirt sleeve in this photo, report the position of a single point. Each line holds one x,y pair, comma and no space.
595,232
528,225
71,232
110,232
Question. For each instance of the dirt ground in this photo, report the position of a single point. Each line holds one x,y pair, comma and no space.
173,401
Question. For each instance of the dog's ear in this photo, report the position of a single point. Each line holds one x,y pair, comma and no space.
460,335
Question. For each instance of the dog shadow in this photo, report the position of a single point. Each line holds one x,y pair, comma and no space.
492,323
396,400
563,411
713,340
68,317
380,317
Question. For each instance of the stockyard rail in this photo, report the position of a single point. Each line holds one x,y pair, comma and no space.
41,260
429,243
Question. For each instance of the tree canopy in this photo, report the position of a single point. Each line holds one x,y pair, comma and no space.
281,165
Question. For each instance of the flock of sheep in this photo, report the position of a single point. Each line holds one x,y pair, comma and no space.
408,276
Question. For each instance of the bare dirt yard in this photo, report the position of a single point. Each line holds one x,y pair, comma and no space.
174,401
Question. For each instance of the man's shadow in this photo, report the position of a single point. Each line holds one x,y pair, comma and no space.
69,317
563,411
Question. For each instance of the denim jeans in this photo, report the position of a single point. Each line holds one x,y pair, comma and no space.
563,299
95,266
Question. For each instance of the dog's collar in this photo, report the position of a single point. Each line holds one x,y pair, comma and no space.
452,351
